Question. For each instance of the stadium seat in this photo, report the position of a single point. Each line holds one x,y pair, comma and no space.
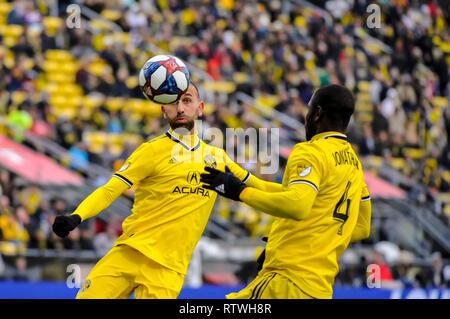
110,14
440,101
364,86
59,55
114,103
51,24
219,86
414,153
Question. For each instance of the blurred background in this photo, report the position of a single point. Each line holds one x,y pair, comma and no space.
71,112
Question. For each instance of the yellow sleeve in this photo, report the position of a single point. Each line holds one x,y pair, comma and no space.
250,179
238,171
101,198
263,185
362,228
138,166
294,203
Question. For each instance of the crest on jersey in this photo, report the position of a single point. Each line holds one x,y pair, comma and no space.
124,167
210,161
303,169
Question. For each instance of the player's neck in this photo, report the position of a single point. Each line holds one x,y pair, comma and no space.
330,128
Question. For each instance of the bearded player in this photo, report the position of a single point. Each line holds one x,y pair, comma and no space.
169,213
323,205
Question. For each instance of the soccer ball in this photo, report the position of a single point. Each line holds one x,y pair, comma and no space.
164,79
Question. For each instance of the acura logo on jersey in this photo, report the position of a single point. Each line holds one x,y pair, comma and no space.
191,190
193,178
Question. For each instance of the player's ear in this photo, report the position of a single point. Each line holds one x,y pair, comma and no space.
163,110
318,114
201,107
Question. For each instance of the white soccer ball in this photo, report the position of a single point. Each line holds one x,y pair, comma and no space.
164,79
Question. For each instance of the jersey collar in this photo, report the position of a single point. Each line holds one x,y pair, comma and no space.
190,142
328,135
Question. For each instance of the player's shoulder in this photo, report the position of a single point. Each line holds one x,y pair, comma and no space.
157,139
218,151
308,148
152,144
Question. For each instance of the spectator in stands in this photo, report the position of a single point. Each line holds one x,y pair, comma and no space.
104,241
79,158
438,275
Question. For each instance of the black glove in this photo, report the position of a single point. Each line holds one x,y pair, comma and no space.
224,183
64,224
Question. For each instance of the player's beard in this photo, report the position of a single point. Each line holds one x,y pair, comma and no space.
188,125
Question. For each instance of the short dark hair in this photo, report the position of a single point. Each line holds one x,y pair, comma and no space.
337,101
200,96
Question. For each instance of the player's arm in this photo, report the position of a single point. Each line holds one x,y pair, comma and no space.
362,228
136,168
97,201
294,203
100,199
250,179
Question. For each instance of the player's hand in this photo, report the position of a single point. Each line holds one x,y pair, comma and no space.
224,183
64,224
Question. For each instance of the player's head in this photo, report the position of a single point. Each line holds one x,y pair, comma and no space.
330,109
186,110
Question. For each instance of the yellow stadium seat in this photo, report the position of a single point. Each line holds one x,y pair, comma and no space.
310,64
300,21
445,47
364,86
5,7
109,14
131,82
219,86
92,101
414,153
51,66
71,89
364,107
209,108
114,103
375,161
100,25
113,138
60,78
133,139
363,97
440,101
9,41
18,97
398,163
122,37
240,77
188,16
99,68
267,100
60,55
12,30
51,24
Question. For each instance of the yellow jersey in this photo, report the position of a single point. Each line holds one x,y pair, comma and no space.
307,251
170,209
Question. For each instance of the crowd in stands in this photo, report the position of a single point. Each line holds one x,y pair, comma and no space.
275,51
